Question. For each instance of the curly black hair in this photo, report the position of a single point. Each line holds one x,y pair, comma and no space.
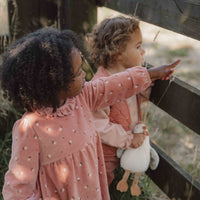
38,66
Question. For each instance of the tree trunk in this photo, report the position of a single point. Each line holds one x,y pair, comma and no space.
79,16
30,15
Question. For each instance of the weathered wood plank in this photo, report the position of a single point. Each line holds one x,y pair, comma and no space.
173,180
180,100
79,16
181,16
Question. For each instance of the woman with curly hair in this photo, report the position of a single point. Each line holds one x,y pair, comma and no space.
56,150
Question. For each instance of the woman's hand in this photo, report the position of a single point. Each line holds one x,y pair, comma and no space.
163,72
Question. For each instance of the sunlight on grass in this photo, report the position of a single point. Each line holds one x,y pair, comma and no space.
181,52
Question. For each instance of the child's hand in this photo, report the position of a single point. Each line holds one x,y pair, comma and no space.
138,140
163,72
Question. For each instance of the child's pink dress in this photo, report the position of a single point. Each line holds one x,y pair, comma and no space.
114,124
59,156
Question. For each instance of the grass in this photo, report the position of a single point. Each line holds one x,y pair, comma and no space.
8,115
144,184
180,52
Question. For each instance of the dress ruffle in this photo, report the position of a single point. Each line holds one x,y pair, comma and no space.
64,110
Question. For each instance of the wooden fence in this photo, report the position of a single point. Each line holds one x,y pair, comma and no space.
181,100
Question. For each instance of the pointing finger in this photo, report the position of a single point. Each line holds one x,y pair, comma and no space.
174,64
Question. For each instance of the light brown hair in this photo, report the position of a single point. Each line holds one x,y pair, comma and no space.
110,38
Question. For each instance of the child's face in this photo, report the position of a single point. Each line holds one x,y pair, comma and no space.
133,54
76,86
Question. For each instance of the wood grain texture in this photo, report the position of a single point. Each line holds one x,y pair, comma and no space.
173,180
176,15
180,100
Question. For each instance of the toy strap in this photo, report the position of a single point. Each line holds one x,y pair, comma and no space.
139,107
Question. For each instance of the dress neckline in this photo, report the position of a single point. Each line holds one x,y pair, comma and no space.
63,110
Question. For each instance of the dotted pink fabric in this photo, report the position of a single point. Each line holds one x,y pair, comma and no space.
58,156
117,133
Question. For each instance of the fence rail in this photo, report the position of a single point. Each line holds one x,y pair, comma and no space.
173,180
181,16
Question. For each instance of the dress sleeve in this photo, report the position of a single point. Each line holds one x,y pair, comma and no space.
106,91
112,134
145,95
21,177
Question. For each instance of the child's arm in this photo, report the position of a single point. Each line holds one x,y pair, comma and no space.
155,73
163,72
112,134
109,90
106,91
144,95
20,179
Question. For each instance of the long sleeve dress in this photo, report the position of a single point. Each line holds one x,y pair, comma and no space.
58,156
115,124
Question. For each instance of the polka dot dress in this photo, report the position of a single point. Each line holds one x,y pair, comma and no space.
58,155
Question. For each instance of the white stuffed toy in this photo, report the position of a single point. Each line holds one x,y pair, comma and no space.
137,160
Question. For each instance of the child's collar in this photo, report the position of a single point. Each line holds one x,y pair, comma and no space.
64,110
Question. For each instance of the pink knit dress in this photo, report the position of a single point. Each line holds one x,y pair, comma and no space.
58,156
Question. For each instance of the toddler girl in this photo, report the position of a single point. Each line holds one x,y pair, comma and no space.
117,46
56,150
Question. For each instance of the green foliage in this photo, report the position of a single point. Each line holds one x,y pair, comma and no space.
88,70
8,115
181,52
144,184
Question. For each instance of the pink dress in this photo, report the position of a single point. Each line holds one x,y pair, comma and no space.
58,156
114,124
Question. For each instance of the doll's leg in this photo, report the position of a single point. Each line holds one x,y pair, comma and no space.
122,186
135,190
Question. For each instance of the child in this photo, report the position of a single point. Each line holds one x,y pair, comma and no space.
117,46
56,150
